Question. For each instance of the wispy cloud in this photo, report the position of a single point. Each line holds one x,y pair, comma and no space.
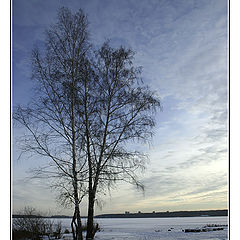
182,47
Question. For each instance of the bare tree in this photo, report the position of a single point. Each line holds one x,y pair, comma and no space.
52,118
118,109
86,110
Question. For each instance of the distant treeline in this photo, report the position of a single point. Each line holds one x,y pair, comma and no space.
210,213
37,216
26,216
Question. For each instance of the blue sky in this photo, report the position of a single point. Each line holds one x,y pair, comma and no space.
183,48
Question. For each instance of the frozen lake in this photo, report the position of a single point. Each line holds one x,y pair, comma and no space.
155,228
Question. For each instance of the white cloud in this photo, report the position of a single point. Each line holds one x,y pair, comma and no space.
183,49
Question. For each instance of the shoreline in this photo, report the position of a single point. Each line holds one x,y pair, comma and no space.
207,213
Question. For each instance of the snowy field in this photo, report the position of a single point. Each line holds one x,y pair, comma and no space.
155,228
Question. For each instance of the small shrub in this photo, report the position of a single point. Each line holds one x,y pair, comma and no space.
95,227
58,231
33,226
21,234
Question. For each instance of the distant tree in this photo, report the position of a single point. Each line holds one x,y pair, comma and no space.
52,120
118,109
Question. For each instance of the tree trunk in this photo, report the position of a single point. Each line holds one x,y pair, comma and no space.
91,192
79,225
79,235
90,225
74,226
77,231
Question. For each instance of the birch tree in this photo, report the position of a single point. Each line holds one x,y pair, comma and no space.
52,118
87,110
118,110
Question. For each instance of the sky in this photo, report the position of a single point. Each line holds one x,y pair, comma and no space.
183,49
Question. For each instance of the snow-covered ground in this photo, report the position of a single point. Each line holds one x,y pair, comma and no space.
155,228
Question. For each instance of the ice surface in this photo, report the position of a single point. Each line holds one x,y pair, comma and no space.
155,228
